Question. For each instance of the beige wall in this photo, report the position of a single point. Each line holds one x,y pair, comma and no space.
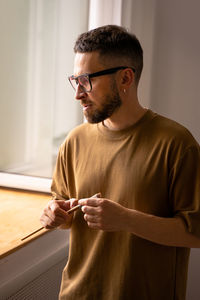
169,33
175,89
170,84
172,76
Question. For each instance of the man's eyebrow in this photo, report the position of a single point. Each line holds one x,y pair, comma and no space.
82,74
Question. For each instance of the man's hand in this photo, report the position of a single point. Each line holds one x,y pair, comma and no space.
55,213
103,214
107,215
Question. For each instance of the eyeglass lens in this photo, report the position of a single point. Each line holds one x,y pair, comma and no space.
83,81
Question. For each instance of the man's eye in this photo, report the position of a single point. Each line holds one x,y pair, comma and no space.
84,81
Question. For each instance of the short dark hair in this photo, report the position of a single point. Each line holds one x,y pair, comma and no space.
113,41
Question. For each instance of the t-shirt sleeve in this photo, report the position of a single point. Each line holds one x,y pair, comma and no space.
59,186
185,189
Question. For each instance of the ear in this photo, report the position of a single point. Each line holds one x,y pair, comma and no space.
127,78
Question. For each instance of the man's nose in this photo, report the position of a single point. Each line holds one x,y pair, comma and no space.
79,93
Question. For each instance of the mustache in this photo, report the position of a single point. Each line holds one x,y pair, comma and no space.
85,102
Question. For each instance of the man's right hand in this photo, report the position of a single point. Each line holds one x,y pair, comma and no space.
55,214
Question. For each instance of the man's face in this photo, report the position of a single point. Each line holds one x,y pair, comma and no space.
103,100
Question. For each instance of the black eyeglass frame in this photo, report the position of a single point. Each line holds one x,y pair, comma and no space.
96,74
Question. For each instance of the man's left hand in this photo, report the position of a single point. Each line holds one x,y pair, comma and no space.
104,214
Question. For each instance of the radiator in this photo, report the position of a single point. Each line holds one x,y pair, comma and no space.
44,287
34,271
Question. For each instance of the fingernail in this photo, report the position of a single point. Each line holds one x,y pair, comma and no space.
98,195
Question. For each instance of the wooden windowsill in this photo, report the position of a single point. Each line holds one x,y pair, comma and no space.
19,215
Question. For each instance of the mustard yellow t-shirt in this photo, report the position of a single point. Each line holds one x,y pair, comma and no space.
153,167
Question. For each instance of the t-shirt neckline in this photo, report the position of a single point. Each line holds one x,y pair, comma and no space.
117,134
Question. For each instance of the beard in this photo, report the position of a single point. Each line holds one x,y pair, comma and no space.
111,104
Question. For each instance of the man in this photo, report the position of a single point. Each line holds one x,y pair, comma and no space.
132,240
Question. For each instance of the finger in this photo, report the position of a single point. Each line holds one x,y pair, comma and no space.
56,210
65,205
60,203
90,210
89,202
53,219
73,202
91,218
50,218
49,223
98,195
56,223
68,204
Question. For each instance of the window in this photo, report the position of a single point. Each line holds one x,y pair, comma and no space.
36,100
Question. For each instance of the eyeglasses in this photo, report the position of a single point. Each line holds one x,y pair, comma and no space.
84,79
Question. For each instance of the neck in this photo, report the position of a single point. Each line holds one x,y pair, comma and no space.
125,117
